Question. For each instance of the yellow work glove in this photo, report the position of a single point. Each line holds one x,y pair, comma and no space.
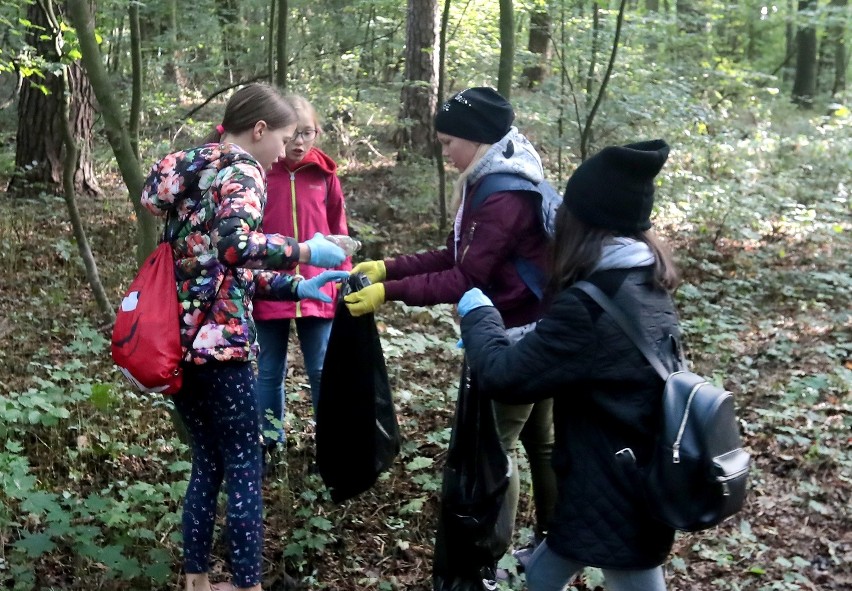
366,300
374,270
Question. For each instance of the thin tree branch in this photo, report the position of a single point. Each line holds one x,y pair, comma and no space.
194,110
591,116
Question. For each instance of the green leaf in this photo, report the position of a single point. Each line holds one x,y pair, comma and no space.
102,396
39,502
321,523
180,466
419,463
160,571
36,545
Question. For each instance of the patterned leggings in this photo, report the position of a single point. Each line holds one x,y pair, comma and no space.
217,403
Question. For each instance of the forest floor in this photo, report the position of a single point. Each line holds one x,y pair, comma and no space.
775,329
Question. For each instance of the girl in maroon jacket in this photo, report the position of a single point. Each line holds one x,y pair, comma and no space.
304,198
489,237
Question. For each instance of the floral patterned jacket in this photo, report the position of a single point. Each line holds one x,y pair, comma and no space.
213,197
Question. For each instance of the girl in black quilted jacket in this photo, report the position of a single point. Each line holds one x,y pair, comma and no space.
605,394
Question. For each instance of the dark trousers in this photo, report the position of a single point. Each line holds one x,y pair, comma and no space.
217,404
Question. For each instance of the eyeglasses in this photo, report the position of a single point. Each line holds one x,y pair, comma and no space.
305,134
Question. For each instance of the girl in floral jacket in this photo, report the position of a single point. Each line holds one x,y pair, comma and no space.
213,197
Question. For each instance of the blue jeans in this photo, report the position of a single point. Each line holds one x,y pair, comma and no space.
548,571
217,405
273,337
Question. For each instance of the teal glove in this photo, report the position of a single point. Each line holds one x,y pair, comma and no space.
325,253
310,288
366,300
472,299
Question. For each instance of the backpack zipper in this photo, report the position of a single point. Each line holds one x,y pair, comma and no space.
676,445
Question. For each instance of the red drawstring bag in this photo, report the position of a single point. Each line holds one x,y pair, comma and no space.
146,336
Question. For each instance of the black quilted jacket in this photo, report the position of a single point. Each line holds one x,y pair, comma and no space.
606,398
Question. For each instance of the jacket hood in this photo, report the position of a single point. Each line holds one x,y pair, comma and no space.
514,154
314,156
172,179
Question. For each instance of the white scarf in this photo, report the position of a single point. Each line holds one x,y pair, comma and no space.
624,253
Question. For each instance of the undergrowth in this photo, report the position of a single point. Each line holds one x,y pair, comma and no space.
92,473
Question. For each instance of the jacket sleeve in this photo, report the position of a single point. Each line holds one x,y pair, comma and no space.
238,196
490,237
272,285
560,350
429,261
336,214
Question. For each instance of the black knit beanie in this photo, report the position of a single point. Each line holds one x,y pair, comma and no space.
614,189
477,114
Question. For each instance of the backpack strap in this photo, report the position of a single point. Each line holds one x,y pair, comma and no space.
611,308
531,274
501,181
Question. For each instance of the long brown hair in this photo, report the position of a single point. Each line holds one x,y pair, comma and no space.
250,104
578,247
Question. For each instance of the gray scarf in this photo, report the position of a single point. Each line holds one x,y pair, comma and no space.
624,253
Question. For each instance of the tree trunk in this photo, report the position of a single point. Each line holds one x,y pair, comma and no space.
695,24
442,82
593,53
119,139
68,173
39,147
418,97
270,42
790,41
172,69
837,34
281,70
507,48
136,61
804,83
227,13
539,46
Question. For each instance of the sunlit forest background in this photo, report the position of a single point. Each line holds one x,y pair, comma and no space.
755,200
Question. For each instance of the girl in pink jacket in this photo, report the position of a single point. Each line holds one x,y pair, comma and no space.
304,197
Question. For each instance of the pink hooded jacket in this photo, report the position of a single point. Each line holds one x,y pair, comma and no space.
301,202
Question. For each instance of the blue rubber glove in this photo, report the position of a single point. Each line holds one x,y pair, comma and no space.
310,288
472,299
324,253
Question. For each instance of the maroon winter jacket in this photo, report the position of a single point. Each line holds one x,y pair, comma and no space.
502,228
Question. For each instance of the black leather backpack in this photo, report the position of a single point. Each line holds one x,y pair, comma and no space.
698,473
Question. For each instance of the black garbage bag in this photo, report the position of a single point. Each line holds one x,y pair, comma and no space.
357,434
474,528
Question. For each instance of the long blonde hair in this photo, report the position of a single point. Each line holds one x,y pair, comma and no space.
458,186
